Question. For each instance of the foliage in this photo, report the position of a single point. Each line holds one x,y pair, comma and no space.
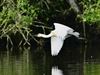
16,17
91,13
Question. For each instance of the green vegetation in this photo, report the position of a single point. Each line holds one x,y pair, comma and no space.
17,16
91,11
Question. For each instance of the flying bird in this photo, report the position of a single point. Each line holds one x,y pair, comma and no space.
58,35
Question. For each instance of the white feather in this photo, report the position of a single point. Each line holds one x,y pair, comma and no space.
56,45
58,36
62,30
58,40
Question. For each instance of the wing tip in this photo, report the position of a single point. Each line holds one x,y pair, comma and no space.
55,53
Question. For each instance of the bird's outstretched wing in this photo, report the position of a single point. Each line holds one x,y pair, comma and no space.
56,45
60,32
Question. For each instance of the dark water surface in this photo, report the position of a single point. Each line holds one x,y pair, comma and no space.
82,60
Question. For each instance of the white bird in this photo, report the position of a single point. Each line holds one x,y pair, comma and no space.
58,36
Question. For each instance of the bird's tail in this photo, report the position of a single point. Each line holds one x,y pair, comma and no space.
76,34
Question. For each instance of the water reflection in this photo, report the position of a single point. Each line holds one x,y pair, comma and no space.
92,62
56,71
14,62
38,61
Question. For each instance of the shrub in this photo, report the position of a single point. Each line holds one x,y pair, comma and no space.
91,13
16,17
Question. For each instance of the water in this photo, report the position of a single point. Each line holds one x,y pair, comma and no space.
73,60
